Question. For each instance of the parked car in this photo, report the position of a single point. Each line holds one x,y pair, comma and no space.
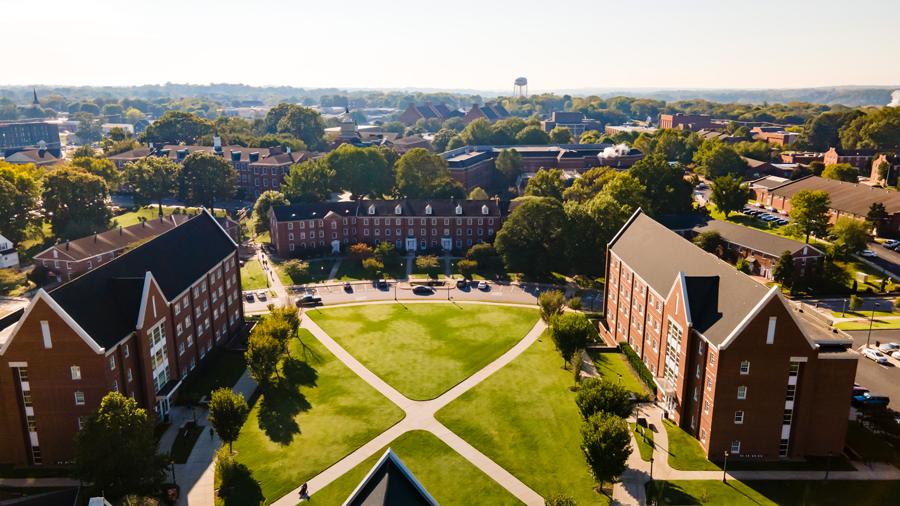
483,286
423,290
261,295
309,300
873,354
889,347
249,296
859,390
381,284
896,355
868,253
462,284
782,222
868,399
891,243
348,287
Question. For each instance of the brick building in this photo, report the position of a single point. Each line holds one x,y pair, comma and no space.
490,111
775,135
137,325
576,122
22,134
892,162
859,158
735,365
427,110
66,260
409,224
692,122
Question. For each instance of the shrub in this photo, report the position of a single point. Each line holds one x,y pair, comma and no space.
742,265
373,267
467,268
599,396
855,302
560,500
297,270
360,250
551,303
639,366
574,303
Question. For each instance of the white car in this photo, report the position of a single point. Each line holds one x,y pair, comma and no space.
896,355
875,355
889,347
891,243
868,253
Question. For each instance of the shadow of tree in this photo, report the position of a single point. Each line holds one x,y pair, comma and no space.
282,401
238,487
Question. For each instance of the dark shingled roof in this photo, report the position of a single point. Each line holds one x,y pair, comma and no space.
105,301
846,197
386,208
390,483
658,255
773,245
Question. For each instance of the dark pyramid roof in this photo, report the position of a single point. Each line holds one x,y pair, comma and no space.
703,297
390,483
106,300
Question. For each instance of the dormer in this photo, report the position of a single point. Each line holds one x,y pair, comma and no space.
371,208
458,209
428,209
398,209
485,210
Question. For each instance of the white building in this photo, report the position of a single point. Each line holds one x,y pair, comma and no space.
9,257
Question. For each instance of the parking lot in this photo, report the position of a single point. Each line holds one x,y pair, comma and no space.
880,379
763,214
258,305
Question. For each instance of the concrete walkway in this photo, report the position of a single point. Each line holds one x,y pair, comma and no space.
419,415
334,268
410,263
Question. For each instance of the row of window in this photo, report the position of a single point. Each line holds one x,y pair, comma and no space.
387,222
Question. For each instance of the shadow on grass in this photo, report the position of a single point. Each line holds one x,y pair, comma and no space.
238,487
282,401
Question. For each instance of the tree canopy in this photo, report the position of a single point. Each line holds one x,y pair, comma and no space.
205,178
729,194
309,181
227,413
809,210
176,127
546,183
20,194
841,172
531,237
75,202
264,202
420,174
361,171
152,179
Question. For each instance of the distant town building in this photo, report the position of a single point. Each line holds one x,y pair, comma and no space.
859,158
490,111
31,133
801,157
427,110
892,166
774,135
576,122
691,122
615,129
759,168
252,112
403,144
41,157
9,257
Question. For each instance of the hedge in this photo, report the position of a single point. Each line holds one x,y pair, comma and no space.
638,365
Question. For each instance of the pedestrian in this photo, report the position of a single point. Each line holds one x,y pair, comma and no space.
304,492
211,432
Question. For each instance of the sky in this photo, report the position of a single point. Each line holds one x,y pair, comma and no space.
457,44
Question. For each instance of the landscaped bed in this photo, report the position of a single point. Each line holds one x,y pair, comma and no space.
446,475
423,350
644,438
293,434
524,417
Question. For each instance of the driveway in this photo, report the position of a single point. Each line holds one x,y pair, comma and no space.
880,379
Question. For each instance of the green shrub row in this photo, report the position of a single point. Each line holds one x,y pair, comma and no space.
638,365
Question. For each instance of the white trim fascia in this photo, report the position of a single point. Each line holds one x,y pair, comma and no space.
752,314
627,224
148,280
43,295
56,247
389,454
684,297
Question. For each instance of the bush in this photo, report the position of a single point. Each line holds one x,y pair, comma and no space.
467,268
639,366
599,396
855,302
360,250
574,303
742,265
298,271
560,500
373,267
551,303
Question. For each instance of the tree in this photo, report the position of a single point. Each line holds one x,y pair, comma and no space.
478,193
589,227
851,236
300,122
742,265
467,268
809,210
729,194
628,191
134,466
205,178
418,173
89,129
264,202
75,201
477,132
531,237
152,179
297,270
441,139
715,158
589,184
428,263
877,128
551,304
546,183
227,413
509,164
360,250
175,127
877,215
262,355
561,135
361,171
309,181
841,172
373,266
597,395
282,324
101,167
784,269
20,194
606,443
571,333
710,241
667,190
855,302
590,137
822,132
531,135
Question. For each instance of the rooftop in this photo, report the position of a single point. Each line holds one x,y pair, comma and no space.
770,244
846,197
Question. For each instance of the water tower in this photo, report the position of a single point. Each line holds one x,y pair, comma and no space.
520,87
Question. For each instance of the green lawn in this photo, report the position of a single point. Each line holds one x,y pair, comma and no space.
221,368
292,434
886,324
644,438
862,313
252,275
423,350
151,212
757,493
351,269
614,367
318,272
447,476
524,418
685,452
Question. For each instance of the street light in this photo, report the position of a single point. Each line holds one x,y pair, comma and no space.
871,320
651,467
172,468
725,468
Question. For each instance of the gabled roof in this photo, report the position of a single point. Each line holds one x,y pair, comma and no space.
390,483
105,301
770,244
846,197
115,239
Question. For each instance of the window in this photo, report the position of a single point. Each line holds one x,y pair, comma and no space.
125,350
695,393
112,363
129,375
742,392
76,372
703,435
745,367
45,332
709,383
791,393
738,417
706,406
783,448
735,447
794,369
770,333
787,417
79,398
698,370
115,385
180,349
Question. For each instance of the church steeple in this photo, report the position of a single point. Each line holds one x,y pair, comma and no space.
35,101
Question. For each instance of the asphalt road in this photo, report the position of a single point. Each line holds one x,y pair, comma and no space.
880,379
365,291
887,258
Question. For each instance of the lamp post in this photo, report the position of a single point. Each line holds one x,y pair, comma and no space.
725,468
651,467
843,307
871,320
172,468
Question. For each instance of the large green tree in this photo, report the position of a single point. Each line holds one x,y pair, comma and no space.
309,181
116,451
877,215
784,269
876,129
590,225
530,240
418,173
361,171
262,355
152,179
561,135
532,135
606,444
546,183
851,236
20,194
600,395
841,172
264,202
589,184
300,122
822,131
477,132
667,190
76,202
809,211
205,178
227,413
729,194
176,127
509,164
101,167
715,159
571,332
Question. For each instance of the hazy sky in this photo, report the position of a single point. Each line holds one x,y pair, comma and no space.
454,44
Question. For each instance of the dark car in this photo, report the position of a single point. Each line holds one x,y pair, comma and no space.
868,400
348,287
423,290
462,284
249,296
309,300
381,284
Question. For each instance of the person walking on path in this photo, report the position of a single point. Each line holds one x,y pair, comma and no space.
211,433
304,492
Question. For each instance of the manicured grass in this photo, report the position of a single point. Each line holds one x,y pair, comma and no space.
423,350
877,324
685,452
184,442
221,368
644,439
447,476
351,269
524,418
870,446
295,432
151,212
454,271
13,282
756,493
614,367
318,272
252,275
861,313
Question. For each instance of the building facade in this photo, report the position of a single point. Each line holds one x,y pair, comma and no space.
428,110
734,364
22,134
137,325
576,122
490,111
692,122
409,224
859,158
9,256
